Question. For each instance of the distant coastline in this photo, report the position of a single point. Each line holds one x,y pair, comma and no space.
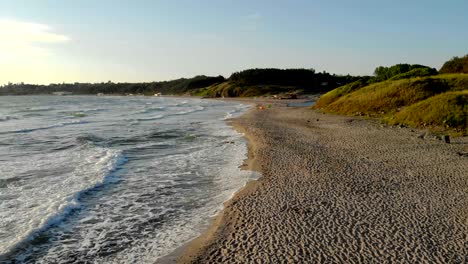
253,82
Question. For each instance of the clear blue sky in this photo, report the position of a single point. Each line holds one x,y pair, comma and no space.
46,41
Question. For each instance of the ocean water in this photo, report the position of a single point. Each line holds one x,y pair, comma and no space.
112,179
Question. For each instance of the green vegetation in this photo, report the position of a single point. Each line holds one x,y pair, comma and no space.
248,83
288,77
179,86
231,89
386,97
456,65
398,71
418,72
333,95
258,82
407,94
449,110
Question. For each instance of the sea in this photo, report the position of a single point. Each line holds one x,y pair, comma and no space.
113,179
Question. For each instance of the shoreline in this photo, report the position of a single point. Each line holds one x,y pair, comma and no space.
188,252
192,248
240,232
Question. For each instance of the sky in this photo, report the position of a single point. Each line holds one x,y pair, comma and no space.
54,41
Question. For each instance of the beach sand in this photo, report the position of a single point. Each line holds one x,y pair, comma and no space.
340,189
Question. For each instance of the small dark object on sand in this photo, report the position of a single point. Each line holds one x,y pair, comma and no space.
463,154
447,139
318,119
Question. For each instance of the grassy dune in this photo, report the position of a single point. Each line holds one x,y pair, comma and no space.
439,101
449,110
333,95
232,89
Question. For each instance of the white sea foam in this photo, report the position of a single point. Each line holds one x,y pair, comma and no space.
151,118
176,175
151,110
236,112
227,179
41,202
192,110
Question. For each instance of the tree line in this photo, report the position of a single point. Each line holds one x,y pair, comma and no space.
456,65
178,86
306,79
403,70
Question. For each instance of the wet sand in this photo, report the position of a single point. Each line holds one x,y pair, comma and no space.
340,189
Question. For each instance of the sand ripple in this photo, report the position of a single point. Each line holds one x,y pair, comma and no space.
344,190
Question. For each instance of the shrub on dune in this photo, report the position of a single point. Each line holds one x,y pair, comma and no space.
449,110
388,96
456,65
333,95
418,72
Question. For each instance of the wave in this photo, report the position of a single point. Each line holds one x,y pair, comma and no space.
28,130
33,110
89,139
151,118
5,182
151,138
229,114
8,118
94,110
111,162
78,114
32,115
178,104
239,109
151,110
98,209
198,109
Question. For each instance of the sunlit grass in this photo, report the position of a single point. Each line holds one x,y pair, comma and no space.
232,89
333,95
448,110
439,101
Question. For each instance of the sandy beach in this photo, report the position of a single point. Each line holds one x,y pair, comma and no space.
340,189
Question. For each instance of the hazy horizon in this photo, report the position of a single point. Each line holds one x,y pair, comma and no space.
55,41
